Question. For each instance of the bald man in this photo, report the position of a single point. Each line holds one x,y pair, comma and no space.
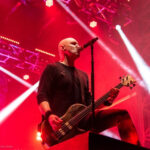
62,85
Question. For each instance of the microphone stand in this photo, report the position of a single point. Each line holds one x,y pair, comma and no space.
91,43
92,83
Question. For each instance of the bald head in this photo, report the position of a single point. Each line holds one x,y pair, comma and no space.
69,47
65,42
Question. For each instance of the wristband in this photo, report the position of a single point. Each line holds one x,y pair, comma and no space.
47,114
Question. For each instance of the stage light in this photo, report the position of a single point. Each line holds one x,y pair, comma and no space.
38,136
26,77
102,44
49,3
15,77
38,133
44,52
10,40
118,27
141,65
9,109
93,24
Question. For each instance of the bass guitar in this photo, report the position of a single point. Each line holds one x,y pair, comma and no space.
74,114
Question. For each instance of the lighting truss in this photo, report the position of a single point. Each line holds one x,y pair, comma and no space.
66,1
105,11
15,56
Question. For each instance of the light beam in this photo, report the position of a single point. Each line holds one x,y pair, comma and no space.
141,65
16,77
6,112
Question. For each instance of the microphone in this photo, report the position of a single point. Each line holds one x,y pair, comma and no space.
90,43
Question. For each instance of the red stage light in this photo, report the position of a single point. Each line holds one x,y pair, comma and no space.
38,133
93,24
49,3
38,137
26,77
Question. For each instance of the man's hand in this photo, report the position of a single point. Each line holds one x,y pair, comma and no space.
55,122
112,95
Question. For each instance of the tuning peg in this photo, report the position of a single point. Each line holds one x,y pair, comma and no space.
120,77
130,87
134,85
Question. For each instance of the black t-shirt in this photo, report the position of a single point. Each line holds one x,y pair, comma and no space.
61,87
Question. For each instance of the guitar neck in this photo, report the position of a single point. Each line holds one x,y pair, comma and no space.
104,97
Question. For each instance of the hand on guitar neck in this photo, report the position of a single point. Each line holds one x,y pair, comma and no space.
112,95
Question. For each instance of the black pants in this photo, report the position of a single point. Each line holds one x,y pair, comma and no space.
105,119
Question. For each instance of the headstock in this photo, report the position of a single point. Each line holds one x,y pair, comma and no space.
127,81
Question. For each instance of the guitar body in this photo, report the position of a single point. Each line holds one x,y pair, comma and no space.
51,138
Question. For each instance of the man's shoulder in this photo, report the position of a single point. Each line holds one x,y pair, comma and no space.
52,65
81,72
49,68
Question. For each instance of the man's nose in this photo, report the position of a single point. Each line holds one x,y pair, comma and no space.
80,48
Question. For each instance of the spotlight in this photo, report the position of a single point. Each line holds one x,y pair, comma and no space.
49,3
38,133
38,136
26,77
118,27
93,24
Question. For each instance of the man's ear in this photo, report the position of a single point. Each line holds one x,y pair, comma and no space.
63,48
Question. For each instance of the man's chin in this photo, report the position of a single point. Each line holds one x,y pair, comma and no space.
76,54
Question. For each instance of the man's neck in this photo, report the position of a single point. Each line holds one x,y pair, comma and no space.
67,62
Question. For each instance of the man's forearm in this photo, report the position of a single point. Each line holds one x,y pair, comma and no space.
44,107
